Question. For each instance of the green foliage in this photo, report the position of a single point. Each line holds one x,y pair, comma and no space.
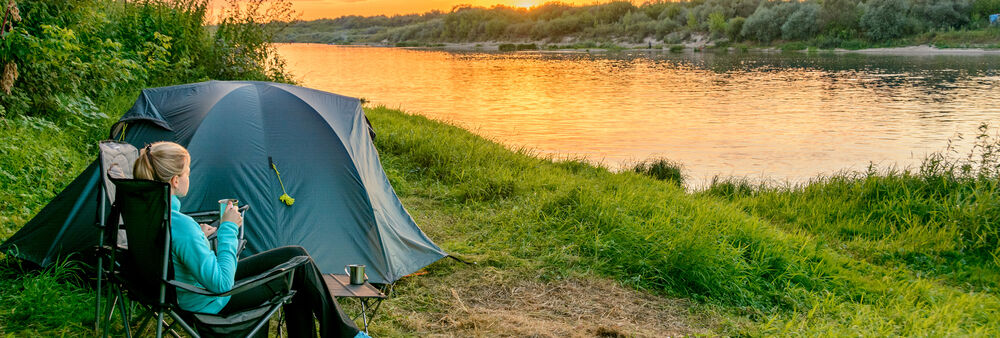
981,9
717,23
510,47
830,22
70,54
661,169
802,24
839,16
942,14
884,19
793,46
763,25
243,46
735,27
54,300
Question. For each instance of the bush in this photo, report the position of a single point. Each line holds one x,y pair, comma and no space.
717,23
62,57
802,24
763,25
661,169
734,27
884,19
943,14
243,43
793,46
839,15
981,9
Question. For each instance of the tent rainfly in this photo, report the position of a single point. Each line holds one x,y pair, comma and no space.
240,136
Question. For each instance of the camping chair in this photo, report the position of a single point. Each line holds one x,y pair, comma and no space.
144,268
116,160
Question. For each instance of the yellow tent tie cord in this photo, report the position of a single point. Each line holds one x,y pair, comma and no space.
121,137
284,197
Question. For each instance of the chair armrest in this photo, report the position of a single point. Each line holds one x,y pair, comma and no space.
249,282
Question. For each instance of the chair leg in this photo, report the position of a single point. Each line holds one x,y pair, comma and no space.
97,302
112,302
159,324
281,321
267,317
125,314
180,321
146,316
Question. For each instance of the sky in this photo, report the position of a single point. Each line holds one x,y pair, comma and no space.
316,9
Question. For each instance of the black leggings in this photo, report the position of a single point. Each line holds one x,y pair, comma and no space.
311,295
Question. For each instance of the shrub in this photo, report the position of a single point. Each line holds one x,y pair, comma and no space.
802,24
837,15
884,19
734,27
981,9
717,23
763,25
676,48
943,14
793,46
661,169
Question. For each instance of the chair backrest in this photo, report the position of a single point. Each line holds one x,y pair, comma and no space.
144,208
117,159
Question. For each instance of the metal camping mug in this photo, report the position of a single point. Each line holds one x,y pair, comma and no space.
223,202
356,272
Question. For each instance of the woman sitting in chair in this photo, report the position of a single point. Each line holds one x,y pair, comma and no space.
195,263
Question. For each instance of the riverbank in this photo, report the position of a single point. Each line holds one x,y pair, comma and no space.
919,50
566,247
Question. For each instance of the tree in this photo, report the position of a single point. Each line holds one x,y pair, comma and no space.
734,27
763,25
884,19
802,24
717,23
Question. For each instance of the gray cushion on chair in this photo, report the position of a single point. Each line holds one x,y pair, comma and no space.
117,160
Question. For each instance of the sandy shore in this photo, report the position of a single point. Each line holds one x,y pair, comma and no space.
924,50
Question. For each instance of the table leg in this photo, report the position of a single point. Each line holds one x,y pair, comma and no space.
364,314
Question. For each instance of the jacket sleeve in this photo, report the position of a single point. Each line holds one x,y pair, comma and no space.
213,270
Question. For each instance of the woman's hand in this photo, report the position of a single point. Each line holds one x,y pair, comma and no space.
208,229
232,214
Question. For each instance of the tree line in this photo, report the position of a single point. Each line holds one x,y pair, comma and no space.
826,23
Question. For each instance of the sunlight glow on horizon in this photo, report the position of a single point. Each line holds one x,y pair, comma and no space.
318,9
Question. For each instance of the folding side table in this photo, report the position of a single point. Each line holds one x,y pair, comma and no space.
370,297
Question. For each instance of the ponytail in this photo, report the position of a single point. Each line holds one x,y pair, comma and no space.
160,161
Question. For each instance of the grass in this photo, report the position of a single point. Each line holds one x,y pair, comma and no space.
569,218
883,253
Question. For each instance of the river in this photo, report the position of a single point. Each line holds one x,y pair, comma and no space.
779,117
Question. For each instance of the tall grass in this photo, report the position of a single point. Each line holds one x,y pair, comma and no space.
567,218
941,219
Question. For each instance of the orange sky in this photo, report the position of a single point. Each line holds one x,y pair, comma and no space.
315,9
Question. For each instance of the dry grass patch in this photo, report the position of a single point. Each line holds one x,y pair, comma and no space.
487,302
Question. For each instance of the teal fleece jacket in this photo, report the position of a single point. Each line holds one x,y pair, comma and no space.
195,263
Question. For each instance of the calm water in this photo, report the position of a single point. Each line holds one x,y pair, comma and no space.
766,116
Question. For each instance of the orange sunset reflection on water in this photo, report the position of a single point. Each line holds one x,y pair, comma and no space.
775,117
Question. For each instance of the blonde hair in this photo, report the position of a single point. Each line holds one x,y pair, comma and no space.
160,161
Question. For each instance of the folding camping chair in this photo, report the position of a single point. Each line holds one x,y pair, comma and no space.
115,160
144,268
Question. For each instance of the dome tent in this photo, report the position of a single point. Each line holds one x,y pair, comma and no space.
241,135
